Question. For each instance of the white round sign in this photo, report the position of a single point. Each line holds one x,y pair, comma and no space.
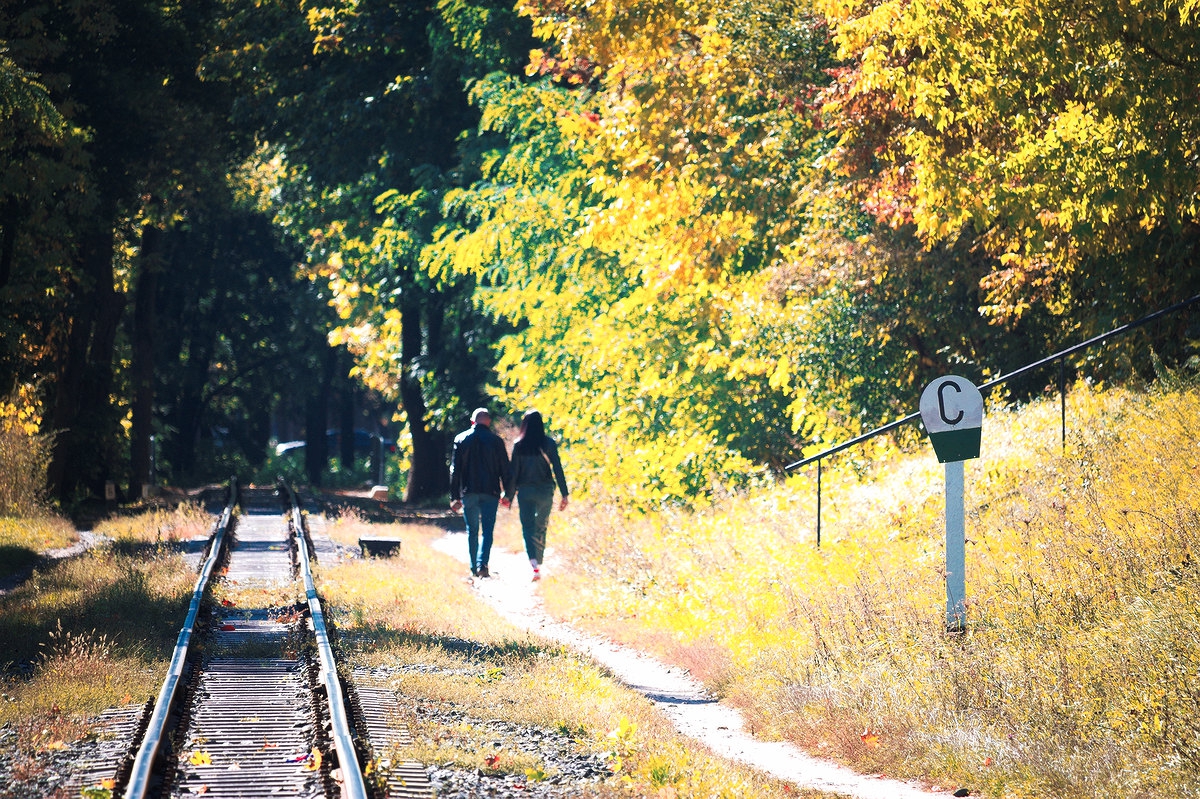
952,410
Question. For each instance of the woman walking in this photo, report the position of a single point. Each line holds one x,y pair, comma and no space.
536,470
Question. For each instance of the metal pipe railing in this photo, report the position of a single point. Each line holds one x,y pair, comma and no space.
1059,357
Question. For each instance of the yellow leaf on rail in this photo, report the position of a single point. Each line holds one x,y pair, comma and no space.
200,758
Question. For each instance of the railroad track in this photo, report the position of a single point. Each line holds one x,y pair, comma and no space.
253,704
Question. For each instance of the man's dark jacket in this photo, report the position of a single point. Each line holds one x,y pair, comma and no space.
479,464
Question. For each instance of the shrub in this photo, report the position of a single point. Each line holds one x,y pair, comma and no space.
24,458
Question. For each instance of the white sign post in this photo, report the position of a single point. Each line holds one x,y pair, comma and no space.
952,410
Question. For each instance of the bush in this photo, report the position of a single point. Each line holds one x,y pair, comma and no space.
24,458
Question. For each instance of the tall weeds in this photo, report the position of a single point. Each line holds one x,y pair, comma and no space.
1077,674
24,458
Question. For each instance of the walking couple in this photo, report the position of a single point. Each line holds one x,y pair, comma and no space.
483,477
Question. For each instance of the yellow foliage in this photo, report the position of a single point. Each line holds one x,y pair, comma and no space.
1040,123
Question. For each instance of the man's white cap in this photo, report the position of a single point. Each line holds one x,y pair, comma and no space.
478,412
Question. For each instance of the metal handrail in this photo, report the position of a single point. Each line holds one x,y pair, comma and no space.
353,784
1059,356
143,763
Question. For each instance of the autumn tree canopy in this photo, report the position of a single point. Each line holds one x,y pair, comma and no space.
703,239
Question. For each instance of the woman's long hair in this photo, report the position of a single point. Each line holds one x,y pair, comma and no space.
531,435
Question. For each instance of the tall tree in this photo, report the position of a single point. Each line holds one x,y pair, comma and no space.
357,99
252,328
653,179
1061,134
124,76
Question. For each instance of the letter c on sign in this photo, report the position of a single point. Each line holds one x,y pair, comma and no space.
942,402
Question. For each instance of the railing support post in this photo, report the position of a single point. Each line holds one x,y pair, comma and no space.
818,504
1062,398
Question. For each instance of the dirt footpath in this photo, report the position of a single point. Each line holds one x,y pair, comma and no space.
676,693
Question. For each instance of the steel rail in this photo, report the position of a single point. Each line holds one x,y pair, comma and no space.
353,783
143,763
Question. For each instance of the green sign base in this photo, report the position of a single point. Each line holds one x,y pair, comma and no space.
956,445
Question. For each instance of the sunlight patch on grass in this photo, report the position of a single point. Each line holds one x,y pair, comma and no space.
23,540
1077,672
79,675
92,631
159,526
414,619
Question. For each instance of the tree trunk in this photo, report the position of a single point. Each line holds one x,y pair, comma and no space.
346,409
8,241
144,328
429,476
84,420
316,450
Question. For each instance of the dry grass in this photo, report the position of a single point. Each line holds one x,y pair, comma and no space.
1077,676
157,527
92,631
25,457
23,540
416,608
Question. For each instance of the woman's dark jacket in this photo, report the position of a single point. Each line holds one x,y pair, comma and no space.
538,468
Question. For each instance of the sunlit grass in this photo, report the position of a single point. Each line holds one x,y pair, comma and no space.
416,608
24,540
92,631
1077,674
183,522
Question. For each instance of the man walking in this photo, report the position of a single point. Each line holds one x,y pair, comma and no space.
478,478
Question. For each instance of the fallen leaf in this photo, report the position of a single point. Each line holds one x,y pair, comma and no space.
870,739
228,627
125,700
492,760
200,758
314,762
987,761
108,783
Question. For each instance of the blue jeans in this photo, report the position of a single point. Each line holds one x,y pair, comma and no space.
479,512
534,505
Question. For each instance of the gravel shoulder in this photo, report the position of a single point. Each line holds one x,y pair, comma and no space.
678,695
